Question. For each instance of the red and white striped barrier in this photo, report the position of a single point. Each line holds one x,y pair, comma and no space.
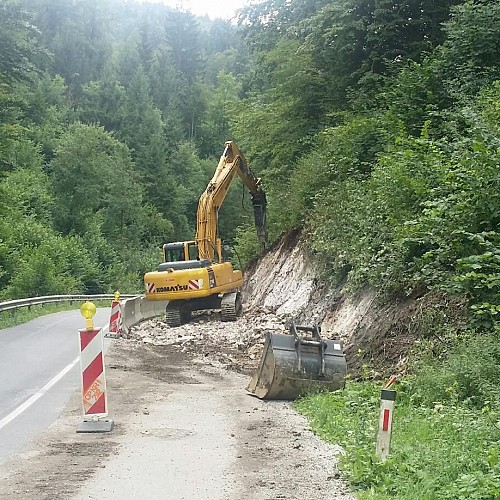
115,320
387,403
93,375
94,396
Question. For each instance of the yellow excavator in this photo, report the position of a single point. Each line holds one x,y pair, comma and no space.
194,275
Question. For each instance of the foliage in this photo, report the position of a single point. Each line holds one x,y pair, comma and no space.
442,450
101,144
247,245
41,262
19,48
459,375
467,58
345,153
214,129
374,122
97,171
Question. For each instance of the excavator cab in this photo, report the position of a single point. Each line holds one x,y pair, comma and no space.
181,255
180,251
174,252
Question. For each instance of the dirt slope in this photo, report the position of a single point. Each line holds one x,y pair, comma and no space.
378,335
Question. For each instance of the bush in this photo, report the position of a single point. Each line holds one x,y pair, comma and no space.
469,374
247,246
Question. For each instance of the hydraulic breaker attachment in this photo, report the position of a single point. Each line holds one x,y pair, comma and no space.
293,365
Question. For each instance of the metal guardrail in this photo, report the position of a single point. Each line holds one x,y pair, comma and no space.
135,308
33,301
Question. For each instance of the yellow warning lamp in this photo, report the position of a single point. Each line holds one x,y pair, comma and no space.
88,311
117,296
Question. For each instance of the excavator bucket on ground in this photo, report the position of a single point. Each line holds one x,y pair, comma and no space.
294,364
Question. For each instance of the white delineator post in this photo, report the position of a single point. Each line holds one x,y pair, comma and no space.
387,403
94,396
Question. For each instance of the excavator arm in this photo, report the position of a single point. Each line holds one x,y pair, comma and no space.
231,163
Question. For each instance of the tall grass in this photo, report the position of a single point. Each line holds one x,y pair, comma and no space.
446,429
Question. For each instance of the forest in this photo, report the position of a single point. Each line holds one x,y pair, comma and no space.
375,127
374,122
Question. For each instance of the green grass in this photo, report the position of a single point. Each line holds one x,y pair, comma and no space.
24,314
442,450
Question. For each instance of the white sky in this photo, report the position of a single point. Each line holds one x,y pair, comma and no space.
224,9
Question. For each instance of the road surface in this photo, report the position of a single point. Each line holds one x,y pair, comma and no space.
39,370
185,428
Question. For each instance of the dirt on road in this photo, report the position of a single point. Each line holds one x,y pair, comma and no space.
185,428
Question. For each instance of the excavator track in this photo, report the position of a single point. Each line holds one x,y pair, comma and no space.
175,315
231,306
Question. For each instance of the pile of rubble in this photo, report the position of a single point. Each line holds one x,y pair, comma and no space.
237,345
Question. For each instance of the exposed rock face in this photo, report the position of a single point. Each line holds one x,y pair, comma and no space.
284,284
282,280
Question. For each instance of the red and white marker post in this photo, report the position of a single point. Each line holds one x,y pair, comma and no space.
115,320
94,395
387,403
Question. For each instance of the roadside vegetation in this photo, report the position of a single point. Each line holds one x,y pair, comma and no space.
441,450
446,426
22,315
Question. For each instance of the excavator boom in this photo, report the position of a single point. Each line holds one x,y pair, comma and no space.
231,163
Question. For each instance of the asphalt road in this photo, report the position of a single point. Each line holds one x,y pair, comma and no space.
39,370
185,429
